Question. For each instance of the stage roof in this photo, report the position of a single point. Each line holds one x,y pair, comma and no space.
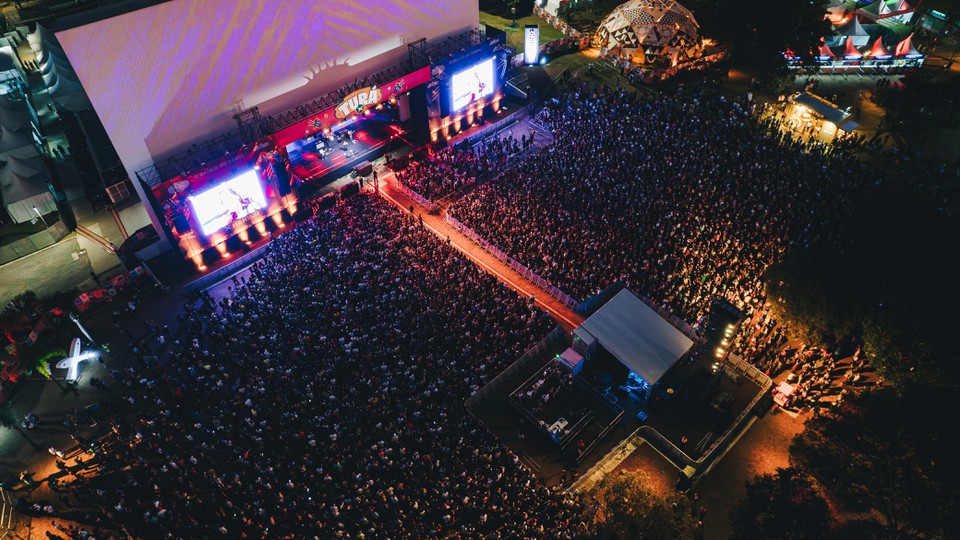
637,336
822,107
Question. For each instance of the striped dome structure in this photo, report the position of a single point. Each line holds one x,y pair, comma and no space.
651,32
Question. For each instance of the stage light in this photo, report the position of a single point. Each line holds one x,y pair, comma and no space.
202,267
543,60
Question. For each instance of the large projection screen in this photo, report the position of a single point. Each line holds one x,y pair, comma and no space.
225,202
163,77
471,84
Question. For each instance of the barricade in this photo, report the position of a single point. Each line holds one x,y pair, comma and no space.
525,272
533,354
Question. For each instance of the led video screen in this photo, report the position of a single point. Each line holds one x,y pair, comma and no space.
218,206
472,84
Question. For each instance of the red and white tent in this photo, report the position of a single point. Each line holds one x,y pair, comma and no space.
906,48
878,50
850,51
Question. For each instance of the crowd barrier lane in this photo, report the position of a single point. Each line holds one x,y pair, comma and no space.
533,353
558,295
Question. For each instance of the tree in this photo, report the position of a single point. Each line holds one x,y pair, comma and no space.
624,507
9,420
787,504
758,40
888,455
889,278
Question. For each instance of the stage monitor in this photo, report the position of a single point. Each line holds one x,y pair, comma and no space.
227,201
473,83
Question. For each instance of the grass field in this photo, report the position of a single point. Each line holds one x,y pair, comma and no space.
515,33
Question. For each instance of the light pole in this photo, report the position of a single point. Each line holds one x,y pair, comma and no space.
41,217
513,13
76,320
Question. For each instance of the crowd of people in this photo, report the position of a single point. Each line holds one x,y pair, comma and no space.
445,172
324,398
684,199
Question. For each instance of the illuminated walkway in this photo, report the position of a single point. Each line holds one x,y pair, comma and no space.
565,316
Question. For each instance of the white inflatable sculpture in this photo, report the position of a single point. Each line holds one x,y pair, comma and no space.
72,362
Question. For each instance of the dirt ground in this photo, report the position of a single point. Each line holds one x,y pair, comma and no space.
762,449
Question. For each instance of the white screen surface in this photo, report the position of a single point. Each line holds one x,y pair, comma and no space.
216,207
163,77
472,84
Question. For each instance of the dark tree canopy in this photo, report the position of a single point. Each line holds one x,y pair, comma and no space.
759,33
889,455
785,505
890,279
624,507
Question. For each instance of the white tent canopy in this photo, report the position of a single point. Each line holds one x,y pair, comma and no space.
43,39
23,186
637,336
47,55
54,74
55,62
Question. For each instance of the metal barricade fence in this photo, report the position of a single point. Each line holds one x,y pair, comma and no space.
524,272
533,353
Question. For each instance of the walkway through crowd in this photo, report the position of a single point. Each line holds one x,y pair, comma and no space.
435,223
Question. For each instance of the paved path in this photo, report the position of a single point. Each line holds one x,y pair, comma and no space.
567,318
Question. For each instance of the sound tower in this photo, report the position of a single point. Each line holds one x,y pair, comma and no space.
282,175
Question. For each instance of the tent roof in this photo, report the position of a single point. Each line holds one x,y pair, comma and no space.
825,51
64,87
637,336
822,107
11,139
878,50
55,62
25,162
55,74
906,48
73,102
14,119
15,187
43,39
10,103
8,59
852,28
850,51
849,125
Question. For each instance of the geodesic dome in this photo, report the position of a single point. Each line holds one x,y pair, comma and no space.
651,32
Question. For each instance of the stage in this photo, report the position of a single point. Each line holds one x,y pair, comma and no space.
331,155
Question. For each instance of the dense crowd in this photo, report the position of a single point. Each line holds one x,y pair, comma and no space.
325,399
683,199
444,172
